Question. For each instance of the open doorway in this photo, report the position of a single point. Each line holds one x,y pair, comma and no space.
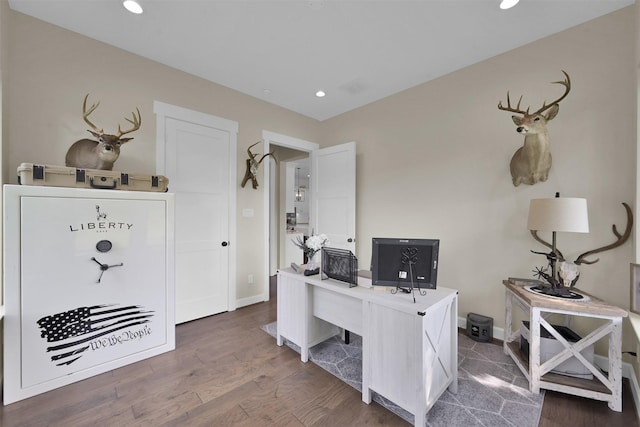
289,219
291,153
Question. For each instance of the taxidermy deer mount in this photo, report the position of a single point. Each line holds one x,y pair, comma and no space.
100,154
620,239
252,166
532,161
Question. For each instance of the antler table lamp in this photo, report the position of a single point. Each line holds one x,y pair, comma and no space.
557,214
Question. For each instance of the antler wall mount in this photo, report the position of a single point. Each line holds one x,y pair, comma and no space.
252,166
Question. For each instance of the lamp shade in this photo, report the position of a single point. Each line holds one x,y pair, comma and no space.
559,214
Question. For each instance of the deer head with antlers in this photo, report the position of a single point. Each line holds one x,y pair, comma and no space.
100,154
252,166
531,162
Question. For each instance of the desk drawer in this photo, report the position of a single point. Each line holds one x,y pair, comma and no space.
342,311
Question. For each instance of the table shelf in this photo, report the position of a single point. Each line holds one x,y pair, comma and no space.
588,384
604,386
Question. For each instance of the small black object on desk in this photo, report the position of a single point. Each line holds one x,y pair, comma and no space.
312,272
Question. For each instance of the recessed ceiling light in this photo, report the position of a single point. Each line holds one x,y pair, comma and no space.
320,93
132,6
508,4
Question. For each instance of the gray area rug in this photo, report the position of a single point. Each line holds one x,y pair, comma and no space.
492,392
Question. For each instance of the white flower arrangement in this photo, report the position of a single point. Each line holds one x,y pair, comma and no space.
312,245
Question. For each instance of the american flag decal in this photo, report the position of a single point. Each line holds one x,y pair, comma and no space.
73,330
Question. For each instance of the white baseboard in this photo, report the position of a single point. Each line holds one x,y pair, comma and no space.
600,361
249,301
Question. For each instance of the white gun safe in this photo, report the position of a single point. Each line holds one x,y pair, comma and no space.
88,283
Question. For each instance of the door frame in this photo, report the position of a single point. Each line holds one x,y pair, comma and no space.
272,138
163,111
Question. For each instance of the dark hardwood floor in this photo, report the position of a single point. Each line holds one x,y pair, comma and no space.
225,371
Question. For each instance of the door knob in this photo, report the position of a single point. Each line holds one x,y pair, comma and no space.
225,243
350,240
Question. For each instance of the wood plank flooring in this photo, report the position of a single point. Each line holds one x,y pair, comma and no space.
225,371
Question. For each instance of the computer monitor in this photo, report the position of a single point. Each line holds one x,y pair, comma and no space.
404,263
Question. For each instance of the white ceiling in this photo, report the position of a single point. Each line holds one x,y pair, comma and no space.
357,51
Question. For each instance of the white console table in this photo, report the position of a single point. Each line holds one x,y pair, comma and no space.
606,388
409,350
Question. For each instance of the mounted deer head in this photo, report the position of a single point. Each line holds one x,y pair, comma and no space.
532,161
620,239
252,166
100,154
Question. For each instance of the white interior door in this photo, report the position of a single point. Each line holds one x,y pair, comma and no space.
199,159
333,194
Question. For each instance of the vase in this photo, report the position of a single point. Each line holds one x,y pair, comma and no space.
313,262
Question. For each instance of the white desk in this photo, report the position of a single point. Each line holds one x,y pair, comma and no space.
409,350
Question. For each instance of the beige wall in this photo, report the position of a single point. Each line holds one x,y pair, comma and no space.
432,161
4,43
4,53
52,69
636,365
